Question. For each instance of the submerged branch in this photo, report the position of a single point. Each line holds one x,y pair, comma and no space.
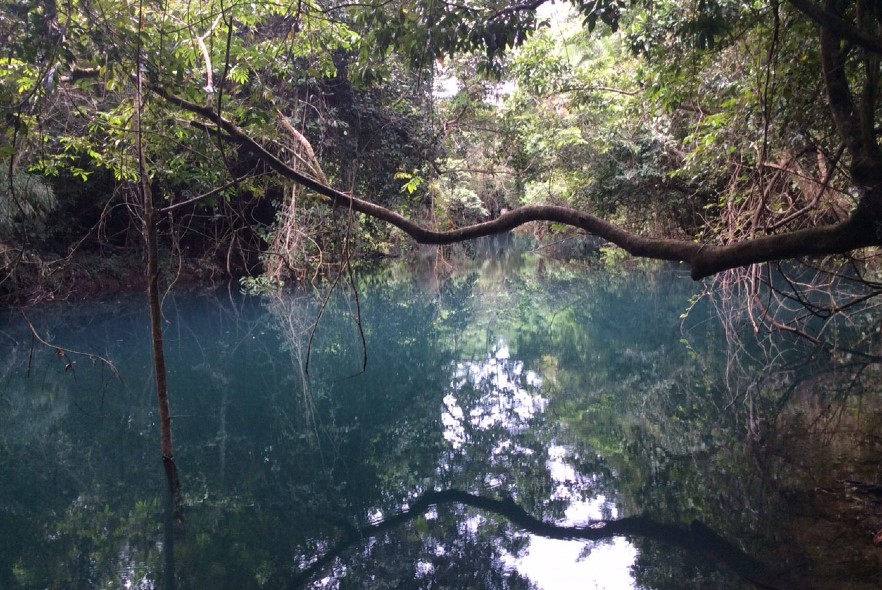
704,259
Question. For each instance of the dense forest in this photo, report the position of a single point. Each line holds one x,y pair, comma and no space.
718,133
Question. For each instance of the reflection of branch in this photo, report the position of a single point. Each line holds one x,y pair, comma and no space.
698,537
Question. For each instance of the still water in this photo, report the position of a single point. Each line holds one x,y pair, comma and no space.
523,424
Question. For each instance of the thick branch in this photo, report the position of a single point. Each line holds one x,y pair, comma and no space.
80,73
528,7
705,260
842,105
870,94
839,26
855,123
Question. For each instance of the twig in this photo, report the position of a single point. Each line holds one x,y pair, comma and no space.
210,193
60,351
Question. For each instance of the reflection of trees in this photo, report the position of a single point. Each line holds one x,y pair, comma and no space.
791,322
495,431
639,415
439,547
803,360
426,563
474,386
294,318
668,437
70,448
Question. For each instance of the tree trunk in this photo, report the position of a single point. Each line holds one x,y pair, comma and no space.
153,300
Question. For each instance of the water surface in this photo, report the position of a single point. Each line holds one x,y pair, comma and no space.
524,424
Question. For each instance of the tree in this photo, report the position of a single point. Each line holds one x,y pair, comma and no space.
850,67
217,70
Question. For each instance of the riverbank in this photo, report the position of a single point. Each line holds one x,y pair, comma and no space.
28,279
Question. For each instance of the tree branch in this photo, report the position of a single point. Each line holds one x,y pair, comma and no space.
841,27
704,259
839,94
80,73
203,196
528,7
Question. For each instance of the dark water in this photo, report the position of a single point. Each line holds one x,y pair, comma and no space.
526,424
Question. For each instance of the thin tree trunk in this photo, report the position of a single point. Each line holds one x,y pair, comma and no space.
150,234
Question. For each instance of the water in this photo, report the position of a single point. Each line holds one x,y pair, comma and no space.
525,424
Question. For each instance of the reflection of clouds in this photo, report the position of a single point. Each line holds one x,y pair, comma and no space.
423,569
554,564
507,447
571,485
506,401
498,392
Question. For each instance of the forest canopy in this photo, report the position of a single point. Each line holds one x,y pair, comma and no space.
719,133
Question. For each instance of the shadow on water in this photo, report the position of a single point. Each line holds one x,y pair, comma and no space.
517,423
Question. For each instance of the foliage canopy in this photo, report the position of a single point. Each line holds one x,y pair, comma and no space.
732,131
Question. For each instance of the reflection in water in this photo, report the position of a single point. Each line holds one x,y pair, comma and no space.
511,399
506,400
513,429
553,564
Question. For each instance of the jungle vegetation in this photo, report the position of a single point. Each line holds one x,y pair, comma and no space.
142,144
719,133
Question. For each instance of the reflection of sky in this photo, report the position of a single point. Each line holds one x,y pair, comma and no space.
553,564
511,400
506,403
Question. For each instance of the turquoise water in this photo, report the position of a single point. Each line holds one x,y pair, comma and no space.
524,424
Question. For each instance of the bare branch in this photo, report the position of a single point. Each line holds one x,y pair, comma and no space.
203,196
63,353
310,159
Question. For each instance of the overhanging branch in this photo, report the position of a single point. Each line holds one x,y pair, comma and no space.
704,259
